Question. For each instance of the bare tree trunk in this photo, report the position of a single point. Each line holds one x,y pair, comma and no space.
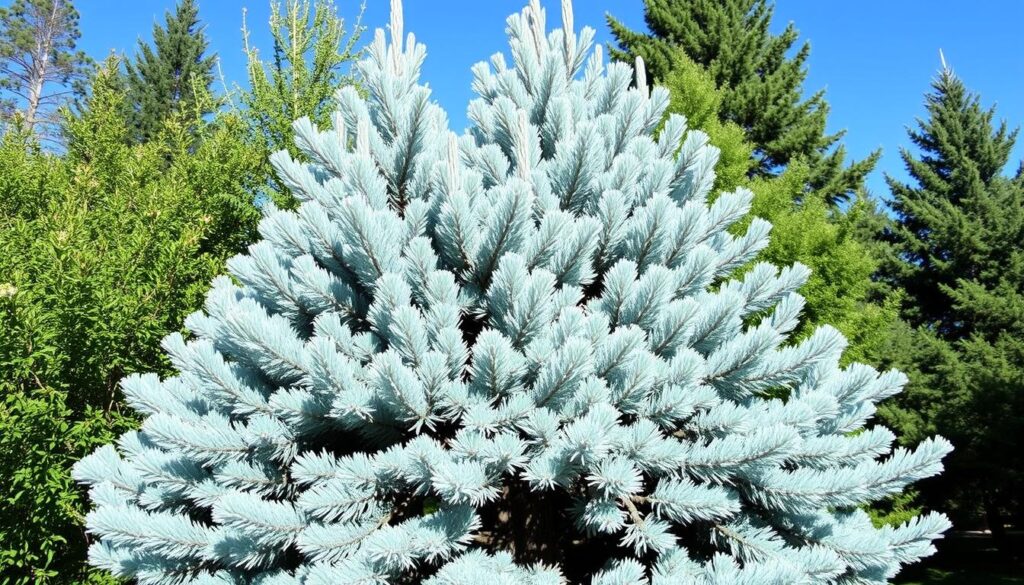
40,63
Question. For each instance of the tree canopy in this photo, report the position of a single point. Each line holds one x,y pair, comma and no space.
762,83
40,67
955,255
171,75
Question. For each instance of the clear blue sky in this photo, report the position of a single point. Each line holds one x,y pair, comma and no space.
875,58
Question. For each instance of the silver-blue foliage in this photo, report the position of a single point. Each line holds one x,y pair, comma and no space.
456,336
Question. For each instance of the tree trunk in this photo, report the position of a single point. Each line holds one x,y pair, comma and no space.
44,34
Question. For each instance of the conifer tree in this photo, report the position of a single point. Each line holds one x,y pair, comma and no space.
167,77
39,64
955,253
513,356
311,49
763,85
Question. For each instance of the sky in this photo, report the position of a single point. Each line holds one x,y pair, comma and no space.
874,58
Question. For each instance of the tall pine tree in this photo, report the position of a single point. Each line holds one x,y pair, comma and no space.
955,250
763,86
39,64
168,76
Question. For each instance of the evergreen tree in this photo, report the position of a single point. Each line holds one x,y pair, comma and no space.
763,86
955,251
512,357
170,76
39,66
952,226
310,52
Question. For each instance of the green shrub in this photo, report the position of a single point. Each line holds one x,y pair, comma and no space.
103,251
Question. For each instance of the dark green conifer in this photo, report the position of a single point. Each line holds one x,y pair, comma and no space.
763,86
171,75
955,250
953,225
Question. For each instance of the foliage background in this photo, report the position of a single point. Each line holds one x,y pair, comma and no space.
105,250
107,243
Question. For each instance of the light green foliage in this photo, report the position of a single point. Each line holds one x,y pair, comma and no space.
41,507
312,48
695,95
103,251
839,290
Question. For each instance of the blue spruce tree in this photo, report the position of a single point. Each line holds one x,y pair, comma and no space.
512,356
